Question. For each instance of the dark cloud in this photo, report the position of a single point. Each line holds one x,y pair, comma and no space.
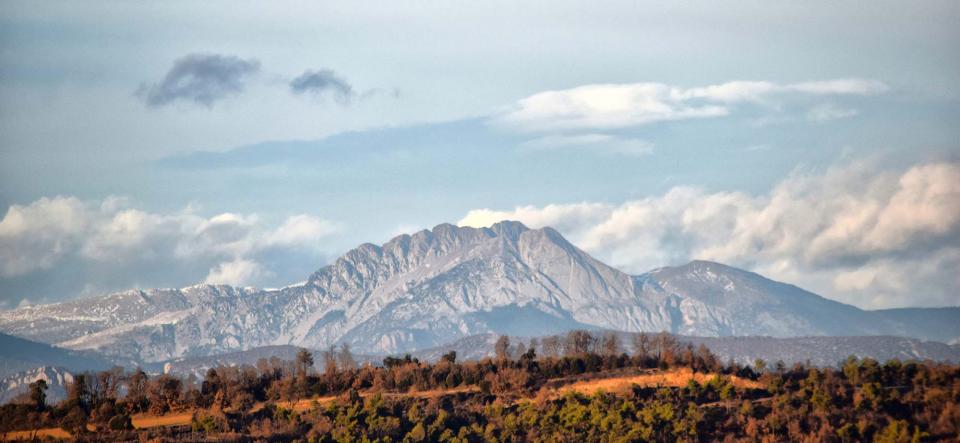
318,82
200,78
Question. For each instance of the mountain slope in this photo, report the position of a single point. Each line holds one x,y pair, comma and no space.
720,300
18,355
422,290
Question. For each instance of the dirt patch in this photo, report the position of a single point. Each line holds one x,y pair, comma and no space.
152,421
55,433
673,378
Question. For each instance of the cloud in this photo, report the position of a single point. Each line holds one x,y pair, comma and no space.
202,79
592,141
853,86
298,230
38,235
827,112
607,106
603,106
237,272
867,236
319,82
111,237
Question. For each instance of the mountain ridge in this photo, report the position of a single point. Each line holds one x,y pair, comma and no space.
424,289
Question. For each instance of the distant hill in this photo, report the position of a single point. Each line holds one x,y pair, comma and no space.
940,324
827,351
18,355
820,351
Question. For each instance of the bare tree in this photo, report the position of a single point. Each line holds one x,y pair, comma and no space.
137,389
519,349
665,347
346,357
552,346
611,344
641,345
330,361
579,342
502,348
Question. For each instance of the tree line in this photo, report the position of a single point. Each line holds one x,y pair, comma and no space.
861,400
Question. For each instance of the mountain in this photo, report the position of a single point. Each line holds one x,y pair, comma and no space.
422,290
719,300
18,355
14,385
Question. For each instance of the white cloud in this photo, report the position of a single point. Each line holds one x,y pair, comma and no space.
299,230
565,217
868,237
37,235
827,112
602,106
854,86
51,231
592,141
730,92
238,272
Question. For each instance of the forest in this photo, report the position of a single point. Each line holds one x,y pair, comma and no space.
525,392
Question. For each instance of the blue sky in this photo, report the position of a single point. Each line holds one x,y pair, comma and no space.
166,144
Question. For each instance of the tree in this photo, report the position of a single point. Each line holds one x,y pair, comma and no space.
760,365
418,433
579,342
211,389
120,422
552,346
641,345
611,344
330,361
502,348
38,394
78,392
75,420
346,358
164,393
519,350
304,363
665,348
107,383
137,390
450,357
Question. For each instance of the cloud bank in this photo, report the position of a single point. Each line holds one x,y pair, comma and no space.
58,236
608,106
202,79
866,236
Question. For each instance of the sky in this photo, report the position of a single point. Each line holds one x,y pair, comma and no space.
170,143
